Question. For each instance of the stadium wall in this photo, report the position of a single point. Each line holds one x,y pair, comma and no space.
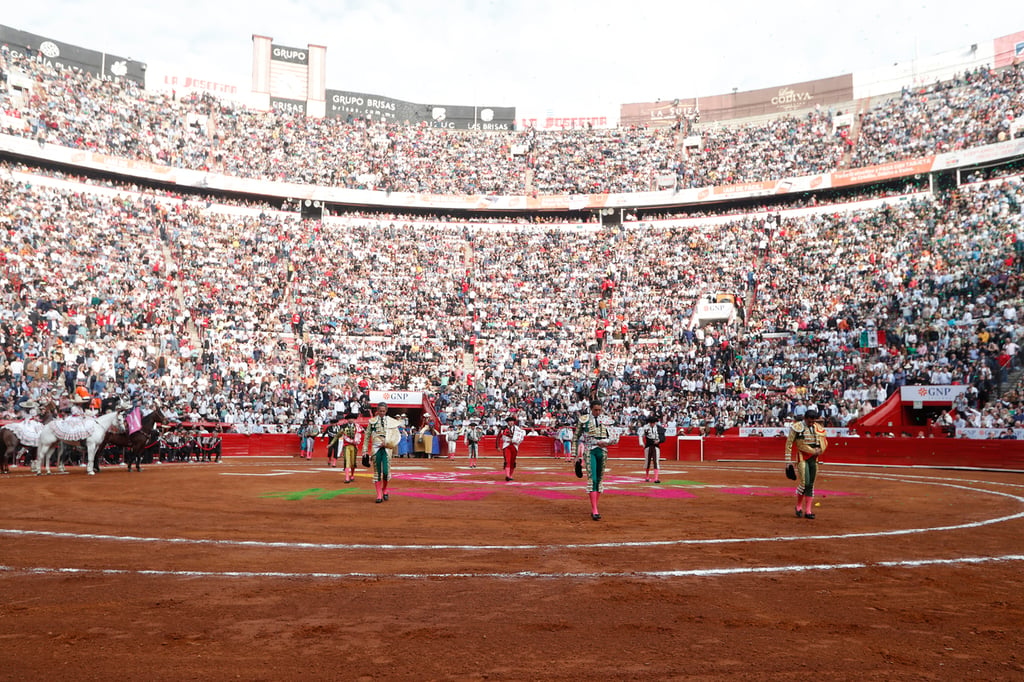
922,452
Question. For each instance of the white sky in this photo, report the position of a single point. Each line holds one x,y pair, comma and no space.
571,58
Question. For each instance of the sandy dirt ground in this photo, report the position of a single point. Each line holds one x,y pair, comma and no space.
274,568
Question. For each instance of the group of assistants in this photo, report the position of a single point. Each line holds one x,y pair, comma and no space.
592,437
591,440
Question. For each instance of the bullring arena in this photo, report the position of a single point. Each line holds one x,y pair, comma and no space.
270,568
228,269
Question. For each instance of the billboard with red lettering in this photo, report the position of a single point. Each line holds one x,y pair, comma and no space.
551,121
162,78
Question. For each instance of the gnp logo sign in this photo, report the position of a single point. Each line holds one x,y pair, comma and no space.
930,394
397,398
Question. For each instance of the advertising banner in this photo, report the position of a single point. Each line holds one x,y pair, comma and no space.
91,61
989,434
397,398
458,117
288,106
885,171
290,55
289,72
717,312
549,121
658,113
345,104
979,155
763,102
766,101
168,79
122,67
783,431
930,394
708,313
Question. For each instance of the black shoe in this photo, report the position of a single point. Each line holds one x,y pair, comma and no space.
385,497
379,500
799,513
596,517
809,516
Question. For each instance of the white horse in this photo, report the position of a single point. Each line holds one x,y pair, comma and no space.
48,441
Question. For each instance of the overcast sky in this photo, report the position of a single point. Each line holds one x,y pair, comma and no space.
537,55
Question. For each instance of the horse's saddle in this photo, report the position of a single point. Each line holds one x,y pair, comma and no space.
73,428
27,431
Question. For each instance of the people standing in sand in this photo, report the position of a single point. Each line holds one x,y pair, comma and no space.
380,443
593,435
809,437
473,435
333,435
652,435
509,439
564,436
349,441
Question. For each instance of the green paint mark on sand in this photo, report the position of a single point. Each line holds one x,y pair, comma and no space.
318,493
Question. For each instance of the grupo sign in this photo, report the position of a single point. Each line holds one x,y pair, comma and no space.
930,394
346,103
291,55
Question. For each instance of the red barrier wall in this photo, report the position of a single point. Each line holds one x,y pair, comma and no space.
266,444
937,452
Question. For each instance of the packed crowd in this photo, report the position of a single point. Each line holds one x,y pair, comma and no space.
976,108
118,117
258,320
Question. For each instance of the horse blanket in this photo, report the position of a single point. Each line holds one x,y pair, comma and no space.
27,431
73,428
